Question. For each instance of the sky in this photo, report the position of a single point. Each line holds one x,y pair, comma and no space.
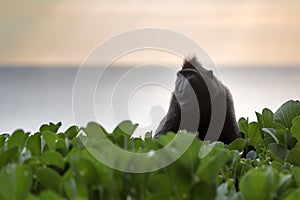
56,33
232,32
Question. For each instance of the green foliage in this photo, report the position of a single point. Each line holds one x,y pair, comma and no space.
49,164
287,112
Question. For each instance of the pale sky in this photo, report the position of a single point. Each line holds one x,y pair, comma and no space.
233,32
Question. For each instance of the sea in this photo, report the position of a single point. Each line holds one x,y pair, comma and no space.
32,96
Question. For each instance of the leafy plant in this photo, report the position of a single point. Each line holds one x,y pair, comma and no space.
50,164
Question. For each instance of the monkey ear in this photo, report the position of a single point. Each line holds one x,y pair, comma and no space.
210,73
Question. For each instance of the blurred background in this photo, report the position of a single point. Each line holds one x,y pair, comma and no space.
254,44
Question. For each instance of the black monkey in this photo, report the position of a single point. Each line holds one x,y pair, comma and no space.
197,77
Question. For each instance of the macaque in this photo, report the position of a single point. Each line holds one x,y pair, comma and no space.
194,76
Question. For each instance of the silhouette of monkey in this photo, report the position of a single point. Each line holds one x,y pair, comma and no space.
197,77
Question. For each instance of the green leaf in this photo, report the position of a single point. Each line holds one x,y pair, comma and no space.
293,195
259,119
211,164
2,141
61,135
251,155
259,184
23,181
76,189
219,145
50,139
34,162
8,155
72,132
284,182
16,181
243,126
61,146
293,157
58,165
278,151
53,158
279,126
49,195
92,135
282,137
150,144
18,138
51,127
158,181
166,139
287,112
125,128
277,165
227,191
295,129
49,178
6,183
32,197
296,173
138,144
237,144
254,134
268,118
87,171
148,135
252,131
203,190
34,144
271,132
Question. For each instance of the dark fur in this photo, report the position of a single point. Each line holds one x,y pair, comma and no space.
190,71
